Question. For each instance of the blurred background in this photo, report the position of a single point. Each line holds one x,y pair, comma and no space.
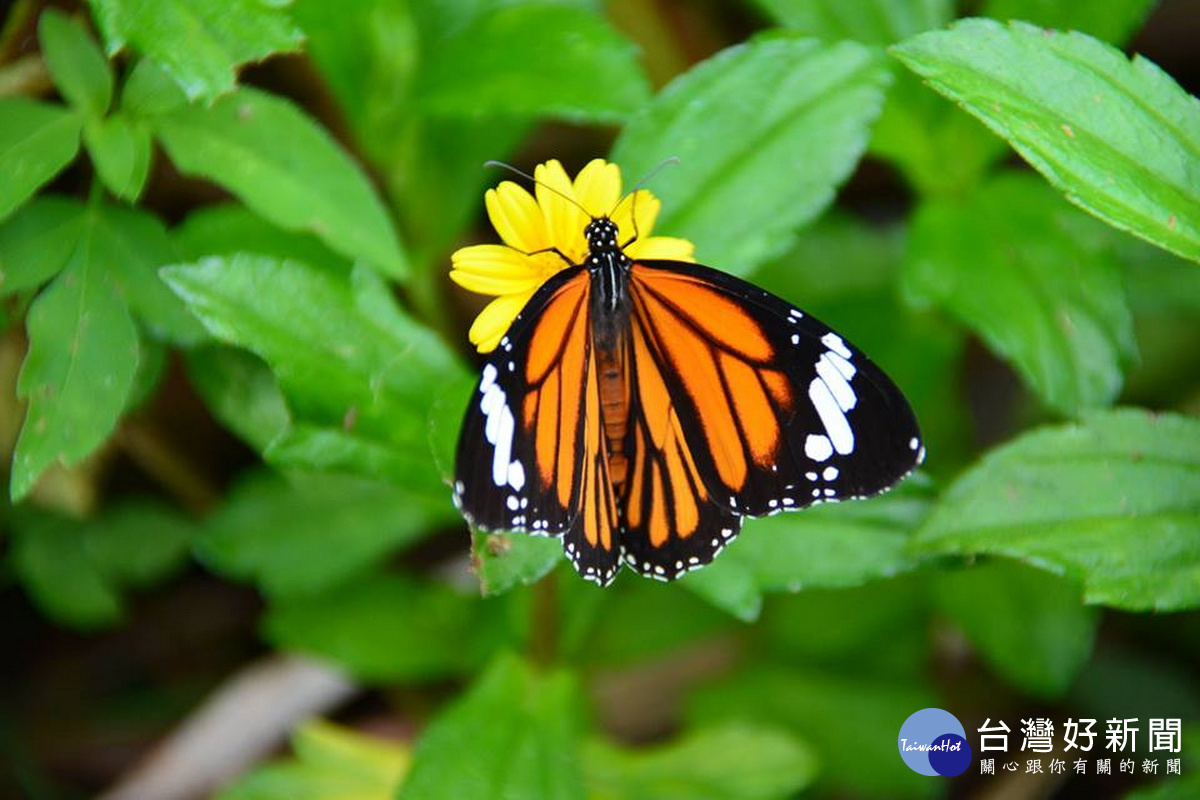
182,560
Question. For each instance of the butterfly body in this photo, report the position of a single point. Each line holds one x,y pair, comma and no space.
640,409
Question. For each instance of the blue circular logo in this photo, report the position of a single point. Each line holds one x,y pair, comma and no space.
934,742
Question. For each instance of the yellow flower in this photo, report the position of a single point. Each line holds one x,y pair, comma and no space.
528,225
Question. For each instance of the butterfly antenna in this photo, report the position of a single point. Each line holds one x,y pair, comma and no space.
672,161
536,182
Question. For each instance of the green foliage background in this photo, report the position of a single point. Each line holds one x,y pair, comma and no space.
231,357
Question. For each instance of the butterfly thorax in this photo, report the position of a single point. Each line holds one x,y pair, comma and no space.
608,268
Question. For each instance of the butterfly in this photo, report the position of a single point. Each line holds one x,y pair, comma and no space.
641,409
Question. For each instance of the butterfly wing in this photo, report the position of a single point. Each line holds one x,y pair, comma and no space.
531,452
744,406
672,520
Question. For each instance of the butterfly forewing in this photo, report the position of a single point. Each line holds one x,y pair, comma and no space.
531,455
836,409
519,452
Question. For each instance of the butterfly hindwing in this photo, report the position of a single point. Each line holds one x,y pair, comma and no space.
672,522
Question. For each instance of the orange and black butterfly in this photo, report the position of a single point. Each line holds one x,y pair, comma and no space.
639,410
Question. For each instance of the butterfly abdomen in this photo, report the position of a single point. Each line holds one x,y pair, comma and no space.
614,409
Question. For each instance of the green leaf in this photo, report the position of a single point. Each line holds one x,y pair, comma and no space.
445,421
51,558
152,366
822,547
610,628
121,150
389,629
1120,138
329,449
504,560
200,43
344,354
871,22
76,64
149,92
240,391
1023,270
1112,502
229,228
78,373
134,244
918,128
300,536
441,187
330,763
1159,283
514,734
1028,625
38,241
36,141
848,721
129,246
76,571
287,169
886,635
730,761
867,257
765,133
368,54
1114,22
570,64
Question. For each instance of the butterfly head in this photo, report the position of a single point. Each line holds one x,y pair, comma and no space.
601,234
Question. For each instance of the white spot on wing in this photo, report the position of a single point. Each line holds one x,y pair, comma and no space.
818,447
489,378
835,343
516,475
833,378
843,366
830,473
503,442
832,417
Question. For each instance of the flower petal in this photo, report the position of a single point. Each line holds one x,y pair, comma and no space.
598,187
516,217
645,206
493,322
565,221
496,260
495,269
667,248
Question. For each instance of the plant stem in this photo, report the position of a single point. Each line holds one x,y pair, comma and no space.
159,460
